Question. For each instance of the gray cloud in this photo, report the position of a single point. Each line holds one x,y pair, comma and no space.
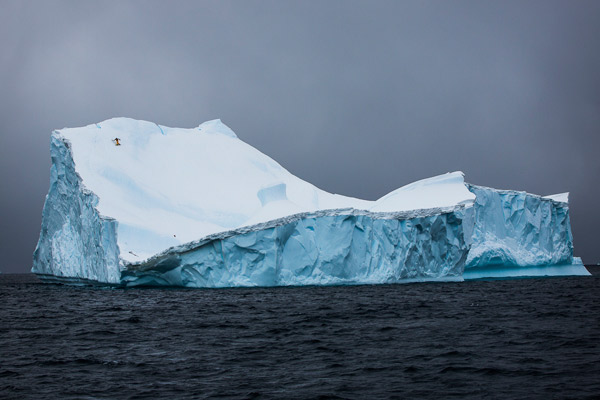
356,97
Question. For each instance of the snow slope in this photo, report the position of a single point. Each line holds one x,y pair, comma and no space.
168,186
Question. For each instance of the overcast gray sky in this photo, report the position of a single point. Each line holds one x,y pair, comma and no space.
357,97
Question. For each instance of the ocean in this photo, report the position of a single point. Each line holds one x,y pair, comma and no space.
508,339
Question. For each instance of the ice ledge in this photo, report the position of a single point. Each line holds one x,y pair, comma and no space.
186,247
561,198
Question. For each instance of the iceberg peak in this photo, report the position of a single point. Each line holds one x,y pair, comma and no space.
216,126
439,191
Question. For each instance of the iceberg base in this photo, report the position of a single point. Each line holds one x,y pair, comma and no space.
73,281
509,272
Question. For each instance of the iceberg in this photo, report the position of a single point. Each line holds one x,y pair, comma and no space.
137,203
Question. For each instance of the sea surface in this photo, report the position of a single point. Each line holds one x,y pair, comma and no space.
522,339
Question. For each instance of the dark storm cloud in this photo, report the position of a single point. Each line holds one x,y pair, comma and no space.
356,97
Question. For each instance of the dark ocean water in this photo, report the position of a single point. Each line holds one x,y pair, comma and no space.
534,338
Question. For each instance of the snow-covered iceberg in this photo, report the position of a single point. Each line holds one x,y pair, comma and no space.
132,202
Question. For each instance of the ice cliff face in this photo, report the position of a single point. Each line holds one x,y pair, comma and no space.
329,247
75,241
132,202
519,229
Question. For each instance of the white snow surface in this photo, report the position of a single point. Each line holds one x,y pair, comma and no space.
169,186
560,197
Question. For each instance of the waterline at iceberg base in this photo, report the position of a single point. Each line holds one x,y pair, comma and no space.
135,203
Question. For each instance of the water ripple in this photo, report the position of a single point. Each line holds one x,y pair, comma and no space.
536,338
